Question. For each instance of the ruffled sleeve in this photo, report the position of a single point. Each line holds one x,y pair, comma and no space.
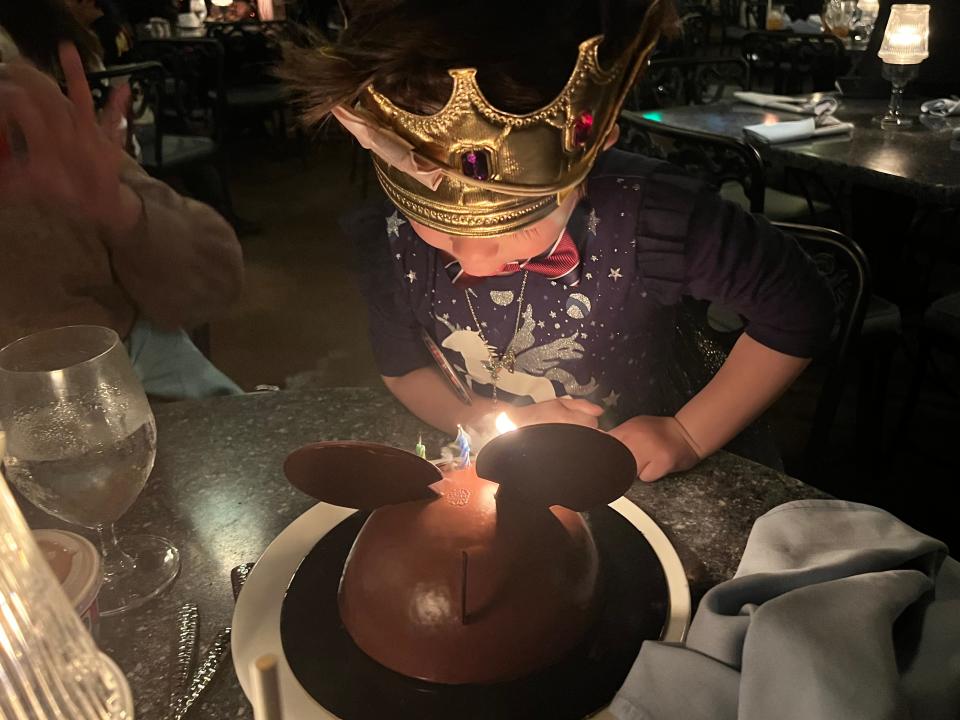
663,226
692,242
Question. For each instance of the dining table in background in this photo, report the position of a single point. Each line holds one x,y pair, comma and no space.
219,494
917,162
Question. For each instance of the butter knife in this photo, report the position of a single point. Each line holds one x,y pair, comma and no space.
188,617
204,674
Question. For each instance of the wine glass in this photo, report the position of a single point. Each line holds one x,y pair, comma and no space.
838,16
81,441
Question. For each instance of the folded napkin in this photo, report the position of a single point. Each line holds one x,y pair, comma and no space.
837,611
942,106
818,105
797,129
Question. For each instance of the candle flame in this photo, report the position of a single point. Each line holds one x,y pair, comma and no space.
504,423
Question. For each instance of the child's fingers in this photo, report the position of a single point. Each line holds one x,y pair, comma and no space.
574,417
582,406
650,472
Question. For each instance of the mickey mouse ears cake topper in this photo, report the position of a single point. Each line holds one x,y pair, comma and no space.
551,464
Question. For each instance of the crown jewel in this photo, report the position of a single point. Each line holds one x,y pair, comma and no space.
496,171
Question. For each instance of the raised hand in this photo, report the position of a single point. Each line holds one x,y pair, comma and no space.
58,153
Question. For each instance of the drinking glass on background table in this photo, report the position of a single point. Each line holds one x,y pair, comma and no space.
838,16
81,441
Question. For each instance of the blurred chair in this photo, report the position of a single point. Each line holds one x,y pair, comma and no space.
145,80
187,138
790,63
731,167
866,324
669,82
252,52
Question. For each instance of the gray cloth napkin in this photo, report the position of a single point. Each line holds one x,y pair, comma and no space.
837,611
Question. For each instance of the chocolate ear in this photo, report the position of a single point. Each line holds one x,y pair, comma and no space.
558,464
360,475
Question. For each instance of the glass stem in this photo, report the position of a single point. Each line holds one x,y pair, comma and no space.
896,100
115,561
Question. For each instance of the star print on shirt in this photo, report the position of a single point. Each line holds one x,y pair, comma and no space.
541,324
397,256
553,314
393,224
611,399
615,274
411,276
592,222
594,258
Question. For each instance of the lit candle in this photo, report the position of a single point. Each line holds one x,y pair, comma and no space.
903,48
463,442
504,423
421,449
905,41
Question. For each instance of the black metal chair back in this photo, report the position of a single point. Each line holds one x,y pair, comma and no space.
252,50
669,82
844,266
712,158
794,62
193,92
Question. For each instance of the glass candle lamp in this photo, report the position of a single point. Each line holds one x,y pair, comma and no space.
903,48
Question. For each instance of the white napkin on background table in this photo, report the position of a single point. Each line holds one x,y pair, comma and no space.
813,105
942,106
790,130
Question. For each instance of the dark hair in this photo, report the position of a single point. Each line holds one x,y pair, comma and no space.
38,27
524,50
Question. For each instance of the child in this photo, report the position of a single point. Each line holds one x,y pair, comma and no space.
549,272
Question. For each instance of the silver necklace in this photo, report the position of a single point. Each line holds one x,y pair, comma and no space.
496,361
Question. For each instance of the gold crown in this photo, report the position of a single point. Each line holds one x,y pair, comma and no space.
501,171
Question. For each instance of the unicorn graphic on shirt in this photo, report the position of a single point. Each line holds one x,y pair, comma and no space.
534,368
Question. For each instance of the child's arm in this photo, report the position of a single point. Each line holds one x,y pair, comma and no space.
749,381
426,394
723,254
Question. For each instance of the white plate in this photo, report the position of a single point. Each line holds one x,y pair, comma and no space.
256,619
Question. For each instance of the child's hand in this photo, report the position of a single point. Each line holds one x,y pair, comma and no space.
68,159
561,410
660,445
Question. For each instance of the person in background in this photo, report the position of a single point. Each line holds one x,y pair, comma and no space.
104,20
86,236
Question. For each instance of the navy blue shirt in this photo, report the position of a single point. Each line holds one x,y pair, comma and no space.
655,236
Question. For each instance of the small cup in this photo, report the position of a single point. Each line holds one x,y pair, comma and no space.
77,565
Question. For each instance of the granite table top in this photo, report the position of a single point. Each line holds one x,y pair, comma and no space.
219,494
917,161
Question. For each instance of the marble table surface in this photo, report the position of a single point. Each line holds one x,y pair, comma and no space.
917,161
219,494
